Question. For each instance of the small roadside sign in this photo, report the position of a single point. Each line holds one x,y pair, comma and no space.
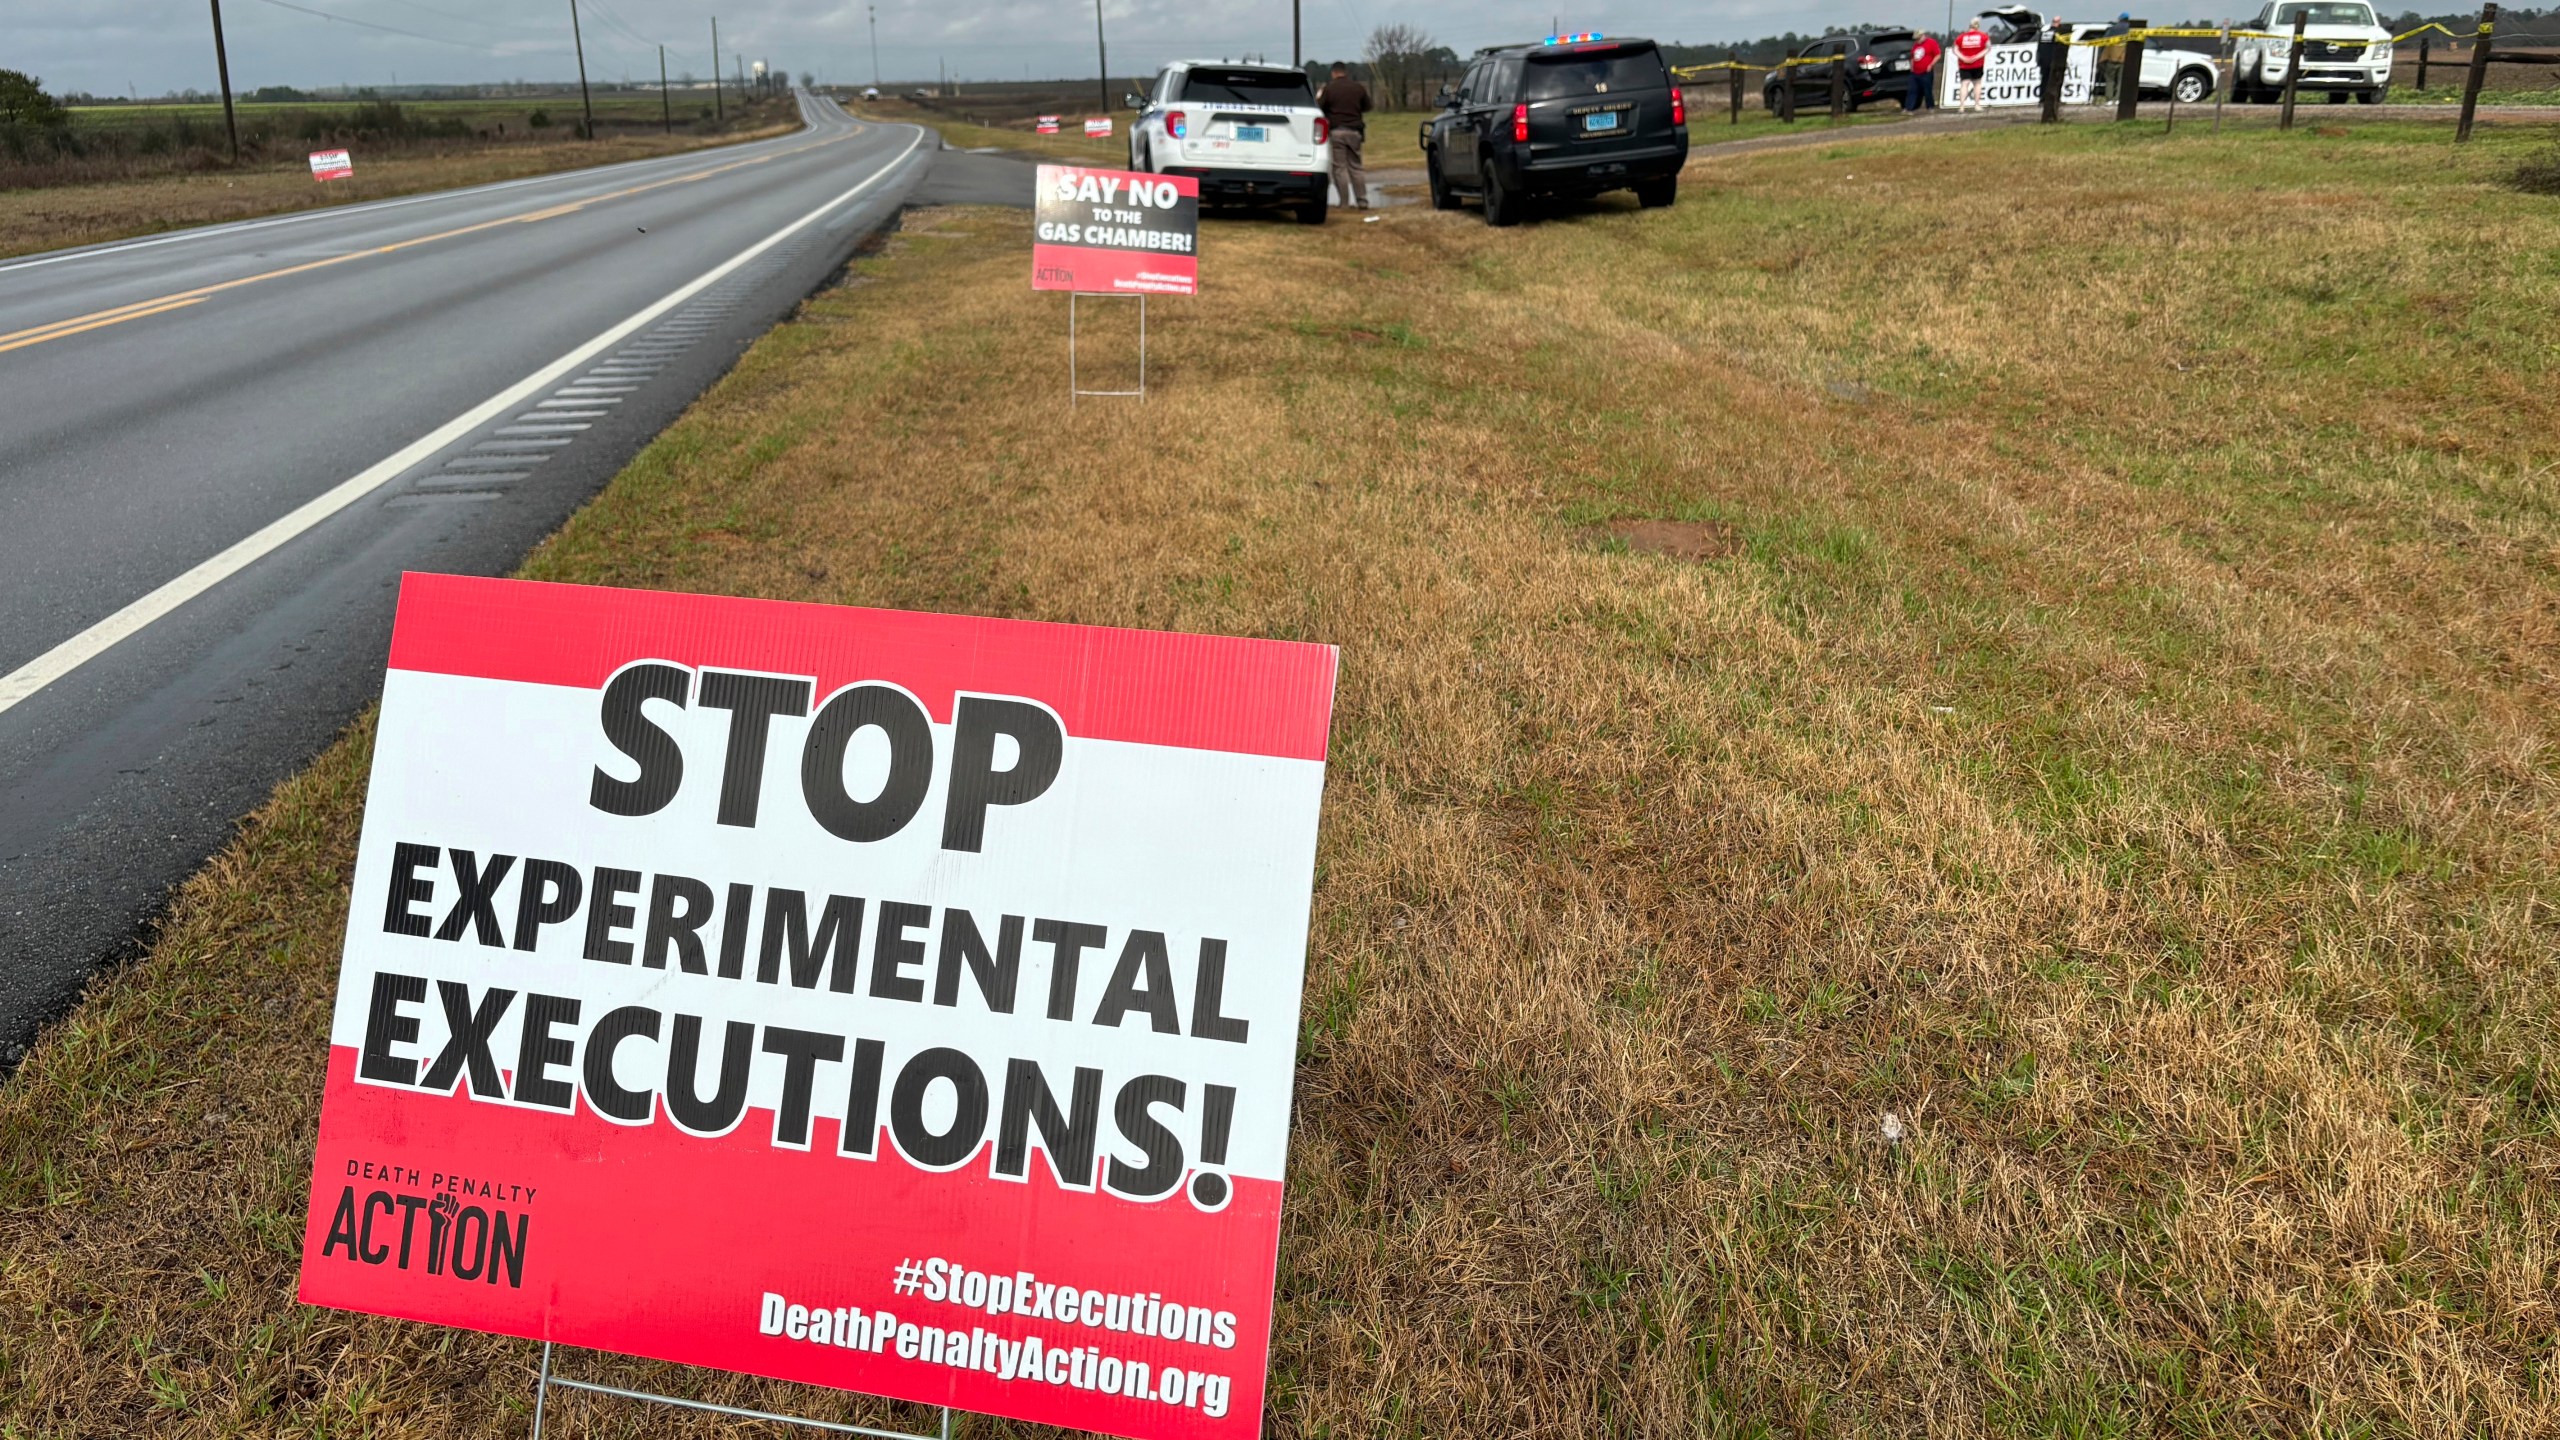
899,1002
1098,129
1047,125
332,165
1114,232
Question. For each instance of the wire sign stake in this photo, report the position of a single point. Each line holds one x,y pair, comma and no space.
1075,388
543,1387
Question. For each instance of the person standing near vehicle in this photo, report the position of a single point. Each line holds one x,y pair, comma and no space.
1924,74
1345,103
1973,50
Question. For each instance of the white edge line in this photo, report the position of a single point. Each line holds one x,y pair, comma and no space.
369,207
71,654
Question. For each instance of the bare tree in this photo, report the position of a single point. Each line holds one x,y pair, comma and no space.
1397,55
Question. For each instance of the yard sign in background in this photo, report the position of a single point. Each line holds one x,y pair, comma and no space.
899,1002
1104,232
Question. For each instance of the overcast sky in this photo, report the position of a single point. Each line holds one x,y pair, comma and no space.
160,46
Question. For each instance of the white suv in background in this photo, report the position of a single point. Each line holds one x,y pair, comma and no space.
2344,51
1249,133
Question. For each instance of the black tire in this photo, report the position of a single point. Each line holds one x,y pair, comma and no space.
1501,206
2191,87
2381,96
1442,197
1312,213
1659,194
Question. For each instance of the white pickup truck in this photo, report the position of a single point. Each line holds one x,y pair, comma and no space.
2345,51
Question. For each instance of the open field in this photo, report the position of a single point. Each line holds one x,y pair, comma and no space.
184,185
2097,723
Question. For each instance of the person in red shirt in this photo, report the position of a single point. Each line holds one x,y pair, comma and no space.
1973,48
1924,74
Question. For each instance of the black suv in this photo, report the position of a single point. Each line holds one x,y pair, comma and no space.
1574,116
1875,65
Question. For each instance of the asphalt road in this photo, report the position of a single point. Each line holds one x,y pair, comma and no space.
219,450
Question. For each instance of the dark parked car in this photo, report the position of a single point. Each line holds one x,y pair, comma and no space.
1875,65
1574,116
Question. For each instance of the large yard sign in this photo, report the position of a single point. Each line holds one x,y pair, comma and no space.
1115,232
2010,77
897,1002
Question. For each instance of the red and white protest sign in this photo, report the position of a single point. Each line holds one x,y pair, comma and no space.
1115,232
1098,129
1046,125
332,165
898,1002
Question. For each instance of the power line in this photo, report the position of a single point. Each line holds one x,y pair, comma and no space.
466,19
385,29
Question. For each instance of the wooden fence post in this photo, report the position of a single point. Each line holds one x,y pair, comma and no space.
1839,87
1735,76
2050,77
2129,71
2227,74
2422,62
1786,91
2479,71
2292,68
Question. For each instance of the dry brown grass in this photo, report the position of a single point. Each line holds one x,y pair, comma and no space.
2119,749
59,216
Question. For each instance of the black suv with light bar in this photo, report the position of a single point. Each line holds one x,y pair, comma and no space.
1574,116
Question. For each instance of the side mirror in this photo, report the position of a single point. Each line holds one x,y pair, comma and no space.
1134,100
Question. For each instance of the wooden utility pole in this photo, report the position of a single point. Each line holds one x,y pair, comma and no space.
1104,54
1297,38
222,65
2479,71
2129,71
586,102
666,106
2293,67
718,110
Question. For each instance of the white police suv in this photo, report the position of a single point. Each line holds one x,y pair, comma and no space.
1249,133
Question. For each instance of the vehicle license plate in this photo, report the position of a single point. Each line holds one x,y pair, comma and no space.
1901,64
1605,120
1252,132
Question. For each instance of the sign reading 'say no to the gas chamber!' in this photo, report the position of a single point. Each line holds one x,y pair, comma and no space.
1105,232
899,1002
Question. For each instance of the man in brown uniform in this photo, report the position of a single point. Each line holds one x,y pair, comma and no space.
1345,103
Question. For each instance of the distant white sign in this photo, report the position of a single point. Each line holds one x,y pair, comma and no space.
1098,129
332,165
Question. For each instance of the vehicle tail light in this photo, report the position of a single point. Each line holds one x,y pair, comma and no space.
1679,107
1520,123
1177,124
1866,62
1324,131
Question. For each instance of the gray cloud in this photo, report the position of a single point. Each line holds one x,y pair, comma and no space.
158,46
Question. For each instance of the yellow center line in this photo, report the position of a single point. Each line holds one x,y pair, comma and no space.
140,309
7,344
